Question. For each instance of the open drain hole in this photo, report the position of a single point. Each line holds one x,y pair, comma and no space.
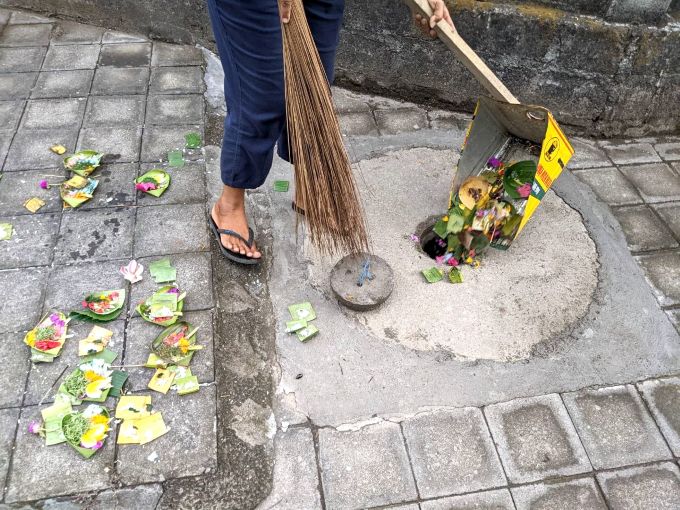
433,245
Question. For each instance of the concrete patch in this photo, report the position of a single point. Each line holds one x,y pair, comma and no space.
529,293
637,488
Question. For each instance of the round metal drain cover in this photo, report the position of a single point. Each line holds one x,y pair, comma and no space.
377,286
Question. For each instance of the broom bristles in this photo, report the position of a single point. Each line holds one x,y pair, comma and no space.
324,182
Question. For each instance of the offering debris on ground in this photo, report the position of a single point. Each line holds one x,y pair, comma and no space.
83,162
281,186
6,231
103,306
175,159
302,314
47,339
34,204
77,190
162,271
164,306
132,272
95,342
86,430
154,182
193,140
58,149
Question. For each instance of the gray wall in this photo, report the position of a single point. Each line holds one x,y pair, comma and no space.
596,76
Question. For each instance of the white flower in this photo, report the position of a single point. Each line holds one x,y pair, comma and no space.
132,272
92,410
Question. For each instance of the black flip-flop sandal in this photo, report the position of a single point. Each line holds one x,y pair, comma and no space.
232,255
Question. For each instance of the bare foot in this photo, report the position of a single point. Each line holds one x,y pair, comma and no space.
229,213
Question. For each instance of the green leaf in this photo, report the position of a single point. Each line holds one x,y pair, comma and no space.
511,225
518,175
440,229
176,159
453,242
455,276
433,274
456,221
193,140
89,315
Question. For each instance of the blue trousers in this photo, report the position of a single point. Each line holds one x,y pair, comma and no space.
248,37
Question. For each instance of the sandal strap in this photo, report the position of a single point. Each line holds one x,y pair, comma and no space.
249,241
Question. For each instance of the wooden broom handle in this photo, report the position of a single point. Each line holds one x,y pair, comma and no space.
465,54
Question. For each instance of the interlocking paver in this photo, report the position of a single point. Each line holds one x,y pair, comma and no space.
192,439
20,60
142,496
8,425
194,276
95,235
10,113
644,231
67,32
63,83
22,314
176,80
4,146
141,333
669,151
116,80
663,398
53,113
642,488
358,123
536,439
115,111
444,119
610,186
30,148
42,376
186,185
663,273
16,187
631,153
32,479
670,213
32,243
158,140
365,468
120,140
452,453
116,186
14,366
114,37
171,229
22,18
165,54
656,182
16,85
125,54
581,493
175,109
490,500
26,35
588,154
391,122
615,427
347,101
63,58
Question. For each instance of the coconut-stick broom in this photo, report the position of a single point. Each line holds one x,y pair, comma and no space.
324,182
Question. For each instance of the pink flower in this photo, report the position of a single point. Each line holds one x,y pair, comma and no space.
43,184
145,186
132,272
173,290
85,304
98,445
439,259
414,238
524,190
34,427
453,262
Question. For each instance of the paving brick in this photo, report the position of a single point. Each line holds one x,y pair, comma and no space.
587,155
32,243
663,398
536,439
95,235
668,151
10,113
365,468
68,285
296,481
165,54
14,366
175,109
79,56
452,453
656,183
8,426
193,439
176,80
358,124
631,153
663,273
115,80
347,101
63,84
610,186
125,55
141,333
615,427
158,140
391,122
490,500
30,148
19,60
142,496
23,18
22,314
444,119
115,111
42,375
26,35
15,187
643,229
575,494
121,140
6,138
671,215
53,113
187,185
16,85
171,229
642,488
194,276
67,32
113,37
116,186
5,15
31,480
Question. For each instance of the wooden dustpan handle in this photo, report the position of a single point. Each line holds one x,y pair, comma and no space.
465,54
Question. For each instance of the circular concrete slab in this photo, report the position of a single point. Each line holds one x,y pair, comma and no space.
540,287
376,286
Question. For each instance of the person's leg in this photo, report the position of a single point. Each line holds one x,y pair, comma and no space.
248,37
325,20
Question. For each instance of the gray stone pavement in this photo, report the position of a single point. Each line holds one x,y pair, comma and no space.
615,446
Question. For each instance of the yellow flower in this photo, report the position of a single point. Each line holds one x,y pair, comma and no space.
445,218
99,419
30,338
96,389
93,435
184,345
92,376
